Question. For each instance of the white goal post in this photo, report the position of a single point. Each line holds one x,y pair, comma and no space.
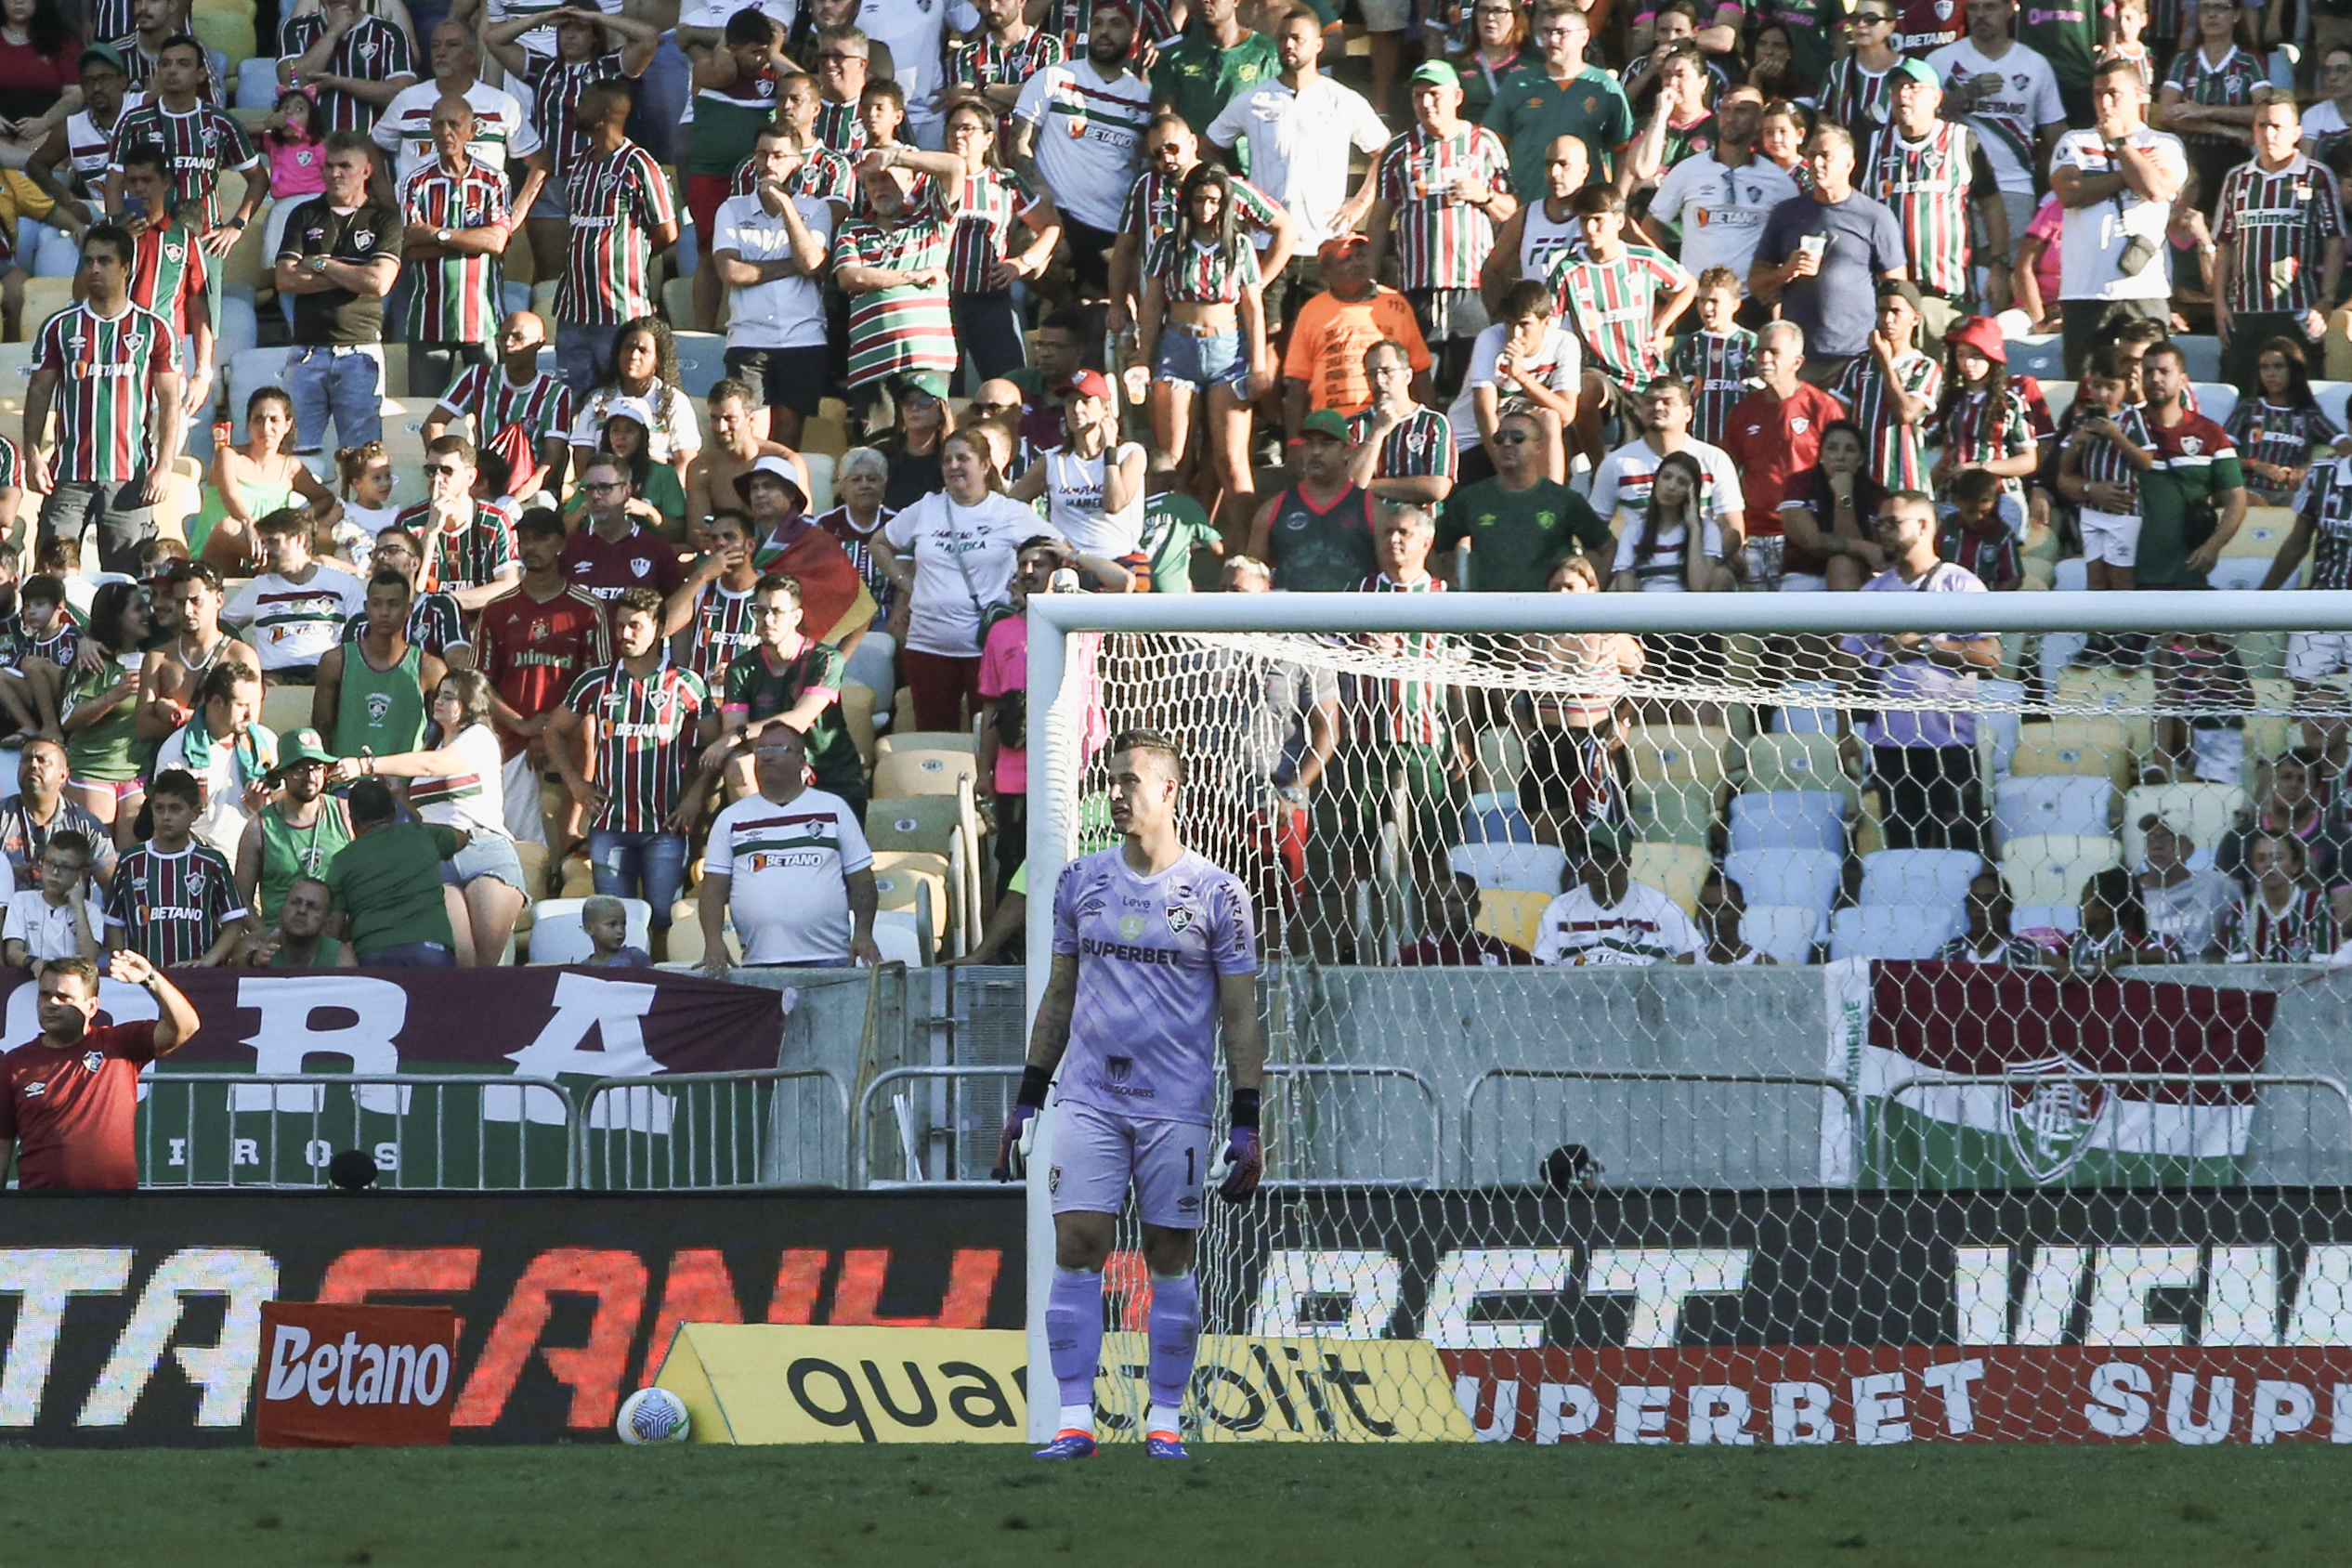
1079,643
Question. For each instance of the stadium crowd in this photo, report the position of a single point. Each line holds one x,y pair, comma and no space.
761,362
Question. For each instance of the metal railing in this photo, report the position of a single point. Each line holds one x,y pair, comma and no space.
448,1131
2070,1128
1290,1115
861,1151
1617,1141
715,1132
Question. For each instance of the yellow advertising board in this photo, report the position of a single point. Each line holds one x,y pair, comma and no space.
766,1384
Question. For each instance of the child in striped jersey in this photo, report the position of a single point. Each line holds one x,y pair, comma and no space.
2108,445
1716,358
174,899
2279,433
36,646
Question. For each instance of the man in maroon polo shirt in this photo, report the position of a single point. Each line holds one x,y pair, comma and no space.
69,1099
614,552
1774,434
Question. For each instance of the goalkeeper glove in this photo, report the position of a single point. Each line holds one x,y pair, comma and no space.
1242,1163
1021,1127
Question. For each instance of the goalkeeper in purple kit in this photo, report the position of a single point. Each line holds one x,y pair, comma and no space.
1154,951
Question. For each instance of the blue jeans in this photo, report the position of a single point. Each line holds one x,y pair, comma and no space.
583,354
347,386
646,865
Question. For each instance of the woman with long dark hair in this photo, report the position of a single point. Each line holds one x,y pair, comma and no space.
99,713
1981,422
2279,431
644,366
40,70
1677,546
2114,929
1837,522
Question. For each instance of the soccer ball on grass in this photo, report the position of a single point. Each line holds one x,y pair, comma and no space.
652,1416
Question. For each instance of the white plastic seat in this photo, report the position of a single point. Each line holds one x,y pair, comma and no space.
2212,810
2051,867
2072,575
1785,931
2215,400
896,934
2051,803
1891,930
257,82
2065,917
1788,819
1511,868
1928,878
2335,398
557,935
1807,878
1808,708
1999,722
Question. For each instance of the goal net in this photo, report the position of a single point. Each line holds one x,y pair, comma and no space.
1754,1019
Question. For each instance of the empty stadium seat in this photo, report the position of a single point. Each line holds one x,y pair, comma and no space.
1516,867
1496,818
2243,574
2201,357
257,82
2263,530
1785,931
557,935
2038,803
2212,810
1807,708
2128,694
1930,878
1675,870
857,717
898,941
927,740
1512,917
1678,753
2215,400
1807,878
701,361
920,882
1797,762
2051,867
2072,575
2064,917
935,824
285,708
1891,930
2081,748
43,297
1788,819
820,481
922,770
1674,814
1502,759
2335,398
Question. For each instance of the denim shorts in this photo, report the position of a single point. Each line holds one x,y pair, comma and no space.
1203,363
487,855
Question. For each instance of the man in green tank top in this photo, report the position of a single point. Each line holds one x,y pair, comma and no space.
1317,534
372,692
296,838
299,939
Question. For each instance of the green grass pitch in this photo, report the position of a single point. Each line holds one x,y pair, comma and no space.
1264,1506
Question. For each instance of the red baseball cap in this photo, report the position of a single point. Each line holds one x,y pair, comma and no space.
1089,384
1979,333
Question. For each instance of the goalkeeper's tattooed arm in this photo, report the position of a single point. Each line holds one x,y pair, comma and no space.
1245,1037
1047,1041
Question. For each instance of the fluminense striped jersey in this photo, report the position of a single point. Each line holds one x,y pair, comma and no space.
614,203
540,41
468,550
436,624
541,405
1405,712
2255,933
1150,209
906,328
2289,438
374,50
2229,85
2102,463
89,147
1927,184
1195,273
839,127
111,19
1071,21
200,144
106,364
987,62
456,298
859,548
1862,101
555,88
1983,425
721,629
1897,451
1421,444
171,907
139,70
1715,366
1614,307
2278,223
1442,242
2325,502
645,730
823,174
993,201
171,275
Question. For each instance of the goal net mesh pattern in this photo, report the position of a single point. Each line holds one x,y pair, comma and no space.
1940,1080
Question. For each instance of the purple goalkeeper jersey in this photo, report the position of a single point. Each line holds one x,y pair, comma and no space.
1150,952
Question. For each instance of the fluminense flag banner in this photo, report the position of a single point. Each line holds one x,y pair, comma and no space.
2059,1115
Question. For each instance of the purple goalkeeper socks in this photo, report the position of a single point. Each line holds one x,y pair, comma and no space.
1175,1336
1074,1332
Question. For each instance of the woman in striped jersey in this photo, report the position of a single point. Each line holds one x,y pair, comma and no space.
459,781
1202,329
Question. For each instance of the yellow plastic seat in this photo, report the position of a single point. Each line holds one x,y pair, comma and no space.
2042,870
285,708
2260,535
1514,918
1675,870
1797,760
2076,747
1678,753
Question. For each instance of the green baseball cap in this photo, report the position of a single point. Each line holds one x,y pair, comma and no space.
1607,836
300,746
928,382
1918,70
1436,71
1326,422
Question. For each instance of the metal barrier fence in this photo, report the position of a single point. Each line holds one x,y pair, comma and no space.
1309,1134
2087,1129
710,1132
423,1130
955,1080
1661,1129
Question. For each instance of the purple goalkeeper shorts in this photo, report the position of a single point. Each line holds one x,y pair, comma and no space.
1098,1152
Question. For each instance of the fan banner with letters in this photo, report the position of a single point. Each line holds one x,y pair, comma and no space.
2064,1082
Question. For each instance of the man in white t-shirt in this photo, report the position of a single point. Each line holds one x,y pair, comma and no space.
503,131
2116,182
1299,127
1079,126
769,249
791,865
2007,94
1610,919
296,610
1622,483
1721,198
